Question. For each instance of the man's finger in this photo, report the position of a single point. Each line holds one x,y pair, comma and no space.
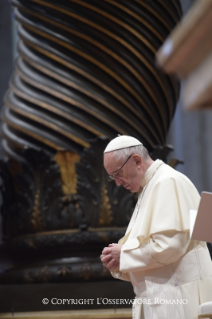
106,258
108,262
114,267
106,251
111,263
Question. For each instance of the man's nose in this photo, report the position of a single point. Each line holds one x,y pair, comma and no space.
118,181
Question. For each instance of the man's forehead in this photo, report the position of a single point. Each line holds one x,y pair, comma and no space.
110,157
110,162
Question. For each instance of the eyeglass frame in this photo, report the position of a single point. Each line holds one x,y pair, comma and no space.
113,176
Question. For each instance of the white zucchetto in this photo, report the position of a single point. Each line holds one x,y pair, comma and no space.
122,141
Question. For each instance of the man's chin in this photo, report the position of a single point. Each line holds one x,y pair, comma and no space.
131,190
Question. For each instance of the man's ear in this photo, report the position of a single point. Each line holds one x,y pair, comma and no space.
137,159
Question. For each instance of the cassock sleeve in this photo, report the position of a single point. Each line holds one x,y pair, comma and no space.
161,249
120,275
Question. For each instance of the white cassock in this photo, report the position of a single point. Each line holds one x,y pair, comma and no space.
167,269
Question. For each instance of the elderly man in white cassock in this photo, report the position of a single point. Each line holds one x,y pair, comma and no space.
170,273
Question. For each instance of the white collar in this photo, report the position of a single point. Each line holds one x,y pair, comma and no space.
151,166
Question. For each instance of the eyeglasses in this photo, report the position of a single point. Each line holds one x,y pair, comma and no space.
116,173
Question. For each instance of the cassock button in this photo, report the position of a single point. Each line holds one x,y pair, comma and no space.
175,282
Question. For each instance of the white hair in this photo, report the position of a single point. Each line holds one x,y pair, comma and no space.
126,152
